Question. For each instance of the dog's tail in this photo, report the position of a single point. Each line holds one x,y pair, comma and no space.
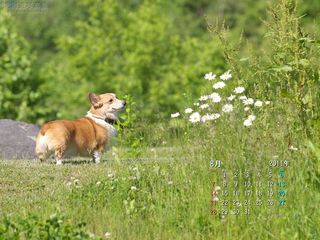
42,145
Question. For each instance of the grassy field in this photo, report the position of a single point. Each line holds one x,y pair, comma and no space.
166,193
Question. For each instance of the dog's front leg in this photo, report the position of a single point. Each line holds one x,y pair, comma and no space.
96,156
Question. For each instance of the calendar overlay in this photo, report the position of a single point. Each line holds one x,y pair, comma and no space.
249,190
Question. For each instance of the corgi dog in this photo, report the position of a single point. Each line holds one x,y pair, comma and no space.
88,136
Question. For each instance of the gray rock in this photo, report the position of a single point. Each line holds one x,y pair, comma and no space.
17,139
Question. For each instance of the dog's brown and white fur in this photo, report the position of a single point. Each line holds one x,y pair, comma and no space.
87,136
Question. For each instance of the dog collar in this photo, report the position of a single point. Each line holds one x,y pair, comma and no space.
107,120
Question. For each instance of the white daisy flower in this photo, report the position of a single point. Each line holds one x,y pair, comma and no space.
238,90
267,102
251,117
214,116
188,110
107,235
204,106
258,103
227,108
242,97
292,148
175,115
204,98
246,109
219,85
247,122
195,117
215,97
248,101
231,97
209,76
226,76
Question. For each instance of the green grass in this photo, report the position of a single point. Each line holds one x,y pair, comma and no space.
172,200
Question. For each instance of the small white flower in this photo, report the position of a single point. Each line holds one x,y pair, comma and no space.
204,98
209,76
209,117
246,109
239,90
217,188
107,235
195,117
251,117
216,199
226,76
267,102
227,108
215,97
231,97
98,183
134,188
188,110
219,85
292,148
204,106
242,97
247,122
175,115
196,104
248,101
110,175
258,103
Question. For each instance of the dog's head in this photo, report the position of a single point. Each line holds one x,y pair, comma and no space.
106,105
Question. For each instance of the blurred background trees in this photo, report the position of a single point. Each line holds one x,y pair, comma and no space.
155,51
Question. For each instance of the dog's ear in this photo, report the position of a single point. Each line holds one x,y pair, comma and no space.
95,100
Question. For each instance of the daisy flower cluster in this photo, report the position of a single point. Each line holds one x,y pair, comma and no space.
214,105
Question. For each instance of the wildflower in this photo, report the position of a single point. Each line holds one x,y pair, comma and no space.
247,122
267,102
238,90
248,101
174,115
98,183
188,110
231,97
227,108
219,85
195,117
134,188
242,97
258,103
204,98
217,188
215,199
246,109
204,106
209,76
209,117
292,148
215,97
110,175
107,235
226,76
251,117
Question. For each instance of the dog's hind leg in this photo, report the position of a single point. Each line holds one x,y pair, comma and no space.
58,153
